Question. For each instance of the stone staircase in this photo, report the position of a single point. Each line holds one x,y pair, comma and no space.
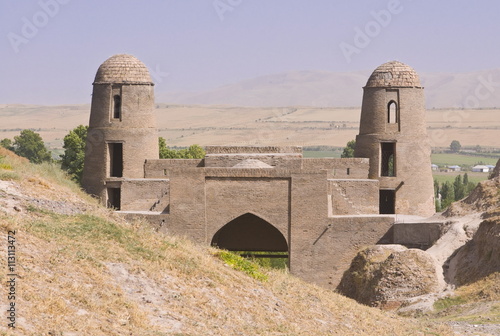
345,206
161,203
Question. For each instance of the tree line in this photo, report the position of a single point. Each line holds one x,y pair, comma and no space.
449,192
30,145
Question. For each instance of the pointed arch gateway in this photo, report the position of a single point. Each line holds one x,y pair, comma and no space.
249,232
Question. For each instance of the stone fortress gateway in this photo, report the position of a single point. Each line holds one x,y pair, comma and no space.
319,211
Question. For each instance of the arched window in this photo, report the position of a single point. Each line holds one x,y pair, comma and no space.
392,112
117,106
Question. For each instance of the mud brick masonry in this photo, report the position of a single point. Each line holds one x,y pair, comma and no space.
319,211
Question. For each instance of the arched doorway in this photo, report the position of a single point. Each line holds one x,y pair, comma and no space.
252,236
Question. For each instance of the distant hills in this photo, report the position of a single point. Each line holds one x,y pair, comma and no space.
329,89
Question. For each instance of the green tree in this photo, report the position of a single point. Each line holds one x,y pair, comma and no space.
74,152
447,194
193,152
455,146
469,187
165,152
436,188
7,143
30,145
349,149
437,205
436,195
466,179
458,187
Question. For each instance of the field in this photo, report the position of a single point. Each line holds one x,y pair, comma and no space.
458,159
473,177
183,125
439,159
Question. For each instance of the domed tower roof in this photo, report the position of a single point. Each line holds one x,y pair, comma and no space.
123,68
394,74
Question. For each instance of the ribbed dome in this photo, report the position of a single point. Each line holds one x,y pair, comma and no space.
394,74
123,68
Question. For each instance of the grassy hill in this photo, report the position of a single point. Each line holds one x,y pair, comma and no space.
82,270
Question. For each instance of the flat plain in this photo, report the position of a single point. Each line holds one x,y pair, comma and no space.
183,125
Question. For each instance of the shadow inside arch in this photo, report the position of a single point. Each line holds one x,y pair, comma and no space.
249,232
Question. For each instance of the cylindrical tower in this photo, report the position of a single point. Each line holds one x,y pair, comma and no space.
392,134
122,129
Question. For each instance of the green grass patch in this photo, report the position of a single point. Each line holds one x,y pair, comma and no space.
473,177
448,302
5,166
50,171
459,159
472,313
241,264
275,263
7,175
89,233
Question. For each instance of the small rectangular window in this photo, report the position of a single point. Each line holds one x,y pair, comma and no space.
115,159
117,107
388,159
114,198
387,202
348,171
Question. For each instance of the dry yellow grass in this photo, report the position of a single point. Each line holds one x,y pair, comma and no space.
474,304
91,273
486,289
183,125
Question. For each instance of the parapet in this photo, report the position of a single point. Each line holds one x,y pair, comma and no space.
286,157
253,150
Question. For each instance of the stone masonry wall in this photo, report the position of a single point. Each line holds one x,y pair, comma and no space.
353,197
253,149
336,243
159,168
349,168
229,198
278,160
145,195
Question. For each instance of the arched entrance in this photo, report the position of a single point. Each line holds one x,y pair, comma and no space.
252,236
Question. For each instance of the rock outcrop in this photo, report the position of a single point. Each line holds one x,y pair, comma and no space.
483,198
496,171
386,276
480,256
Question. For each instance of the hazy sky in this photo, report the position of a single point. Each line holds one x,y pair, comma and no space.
51,49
